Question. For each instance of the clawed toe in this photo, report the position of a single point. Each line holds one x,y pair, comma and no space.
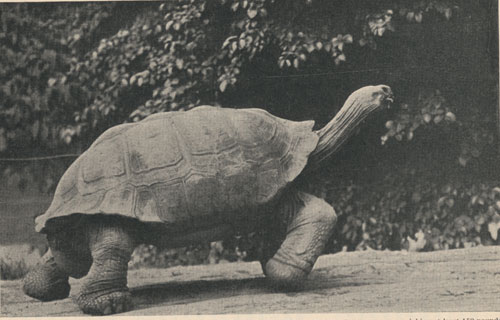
115,302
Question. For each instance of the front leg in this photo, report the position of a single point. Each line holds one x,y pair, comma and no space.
46,281
308,230
105,290
68,255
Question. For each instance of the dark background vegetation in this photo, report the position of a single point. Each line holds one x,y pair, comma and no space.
423,177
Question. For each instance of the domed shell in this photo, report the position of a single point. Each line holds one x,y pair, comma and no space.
185,167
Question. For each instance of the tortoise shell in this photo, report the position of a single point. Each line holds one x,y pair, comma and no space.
176,167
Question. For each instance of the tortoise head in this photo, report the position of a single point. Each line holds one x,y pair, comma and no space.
369,99
357,107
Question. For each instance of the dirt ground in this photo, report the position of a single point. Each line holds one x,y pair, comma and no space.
370,281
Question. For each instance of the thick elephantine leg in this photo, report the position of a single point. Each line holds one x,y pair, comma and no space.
46,282
308,230
105,290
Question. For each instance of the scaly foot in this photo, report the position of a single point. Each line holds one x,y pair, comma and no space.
97,303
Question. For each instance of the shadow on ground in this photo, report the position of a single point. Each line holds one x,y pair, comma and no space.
182,292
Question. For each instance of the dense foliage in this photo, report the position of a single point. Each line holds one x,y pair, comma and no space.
69,71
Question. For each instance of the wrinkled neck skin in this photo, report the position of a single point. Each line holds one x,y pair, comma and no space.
336,132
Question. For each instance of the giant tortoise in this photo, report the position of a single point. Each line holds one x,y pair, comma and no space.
175,178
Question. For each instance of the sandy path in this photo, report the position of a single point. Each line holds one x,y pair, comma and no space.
369,281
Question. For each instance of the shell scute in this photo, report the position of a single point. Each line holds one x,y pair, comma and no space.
171,202
153,146
253,127
266,180
146,206
202,203
201,132
109,156
239,190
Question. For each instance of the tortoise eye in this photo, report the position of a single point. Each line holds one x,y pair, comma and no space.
386,89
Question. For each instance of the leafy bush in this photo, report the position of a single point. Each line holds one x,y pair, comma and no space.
213,253
16,260
452,215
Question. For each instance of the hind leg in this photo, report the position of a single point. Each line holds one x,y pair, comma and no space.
308,230
68,256
105,290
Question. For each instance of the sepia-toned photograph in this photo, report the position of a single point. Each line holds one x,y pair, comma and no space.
250,157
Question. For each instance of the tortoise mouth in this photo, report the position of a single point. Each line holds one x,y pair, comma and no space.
388,100
386,96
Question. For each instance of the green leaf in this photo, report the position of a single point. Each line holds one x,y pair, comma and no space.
438,118
51,82
418,17
179,63
252,13
242,43
223,85
339,58
228,41
427,118
383,139
447,13
450,116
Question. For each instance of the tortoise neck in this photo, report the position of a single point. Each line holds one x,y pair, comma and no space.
336,132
